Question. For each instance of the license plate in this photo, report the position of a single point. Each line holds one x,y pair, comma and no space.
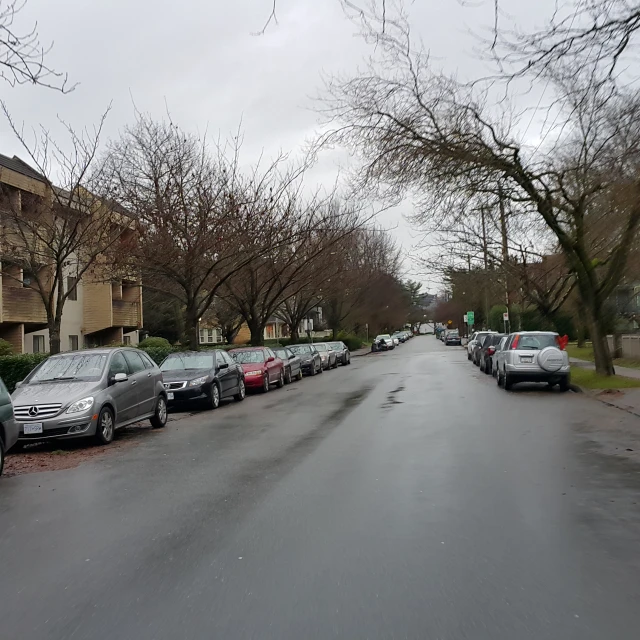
526,359
32,427
170,396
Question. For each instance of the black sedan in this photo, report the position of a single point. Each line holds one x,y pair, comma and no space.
342,352
292,364
452,338
309,358
203,376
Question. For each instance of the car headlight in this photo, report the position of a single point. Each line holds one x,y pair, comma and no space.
323,357
198,381
253,373
81,405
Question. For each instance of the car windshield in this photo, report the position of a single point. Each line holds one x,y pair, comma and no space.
188,361
248,357
76,366
322,347
336,346
536,342
300,349
281,353
384,336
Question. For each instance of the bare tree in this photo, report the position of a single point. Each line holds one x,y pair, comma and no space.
200,220
69,228
421,131
300,237
22,57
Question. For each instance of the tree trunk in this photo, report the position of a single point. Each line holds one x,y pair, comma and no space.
294,333
54,337
580,329
602,355
334,332
257,333
191,327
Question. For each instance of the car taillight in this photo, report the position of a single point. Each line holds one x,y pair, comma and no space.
514,344
491,350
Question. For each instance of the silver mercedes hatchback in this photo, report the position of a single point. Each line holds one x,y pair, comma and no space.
89,393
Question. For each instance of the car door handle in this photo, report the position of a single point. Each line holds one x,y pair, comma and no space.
149,374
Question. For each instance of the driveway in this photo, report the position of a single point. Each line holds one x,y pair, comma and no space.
404,496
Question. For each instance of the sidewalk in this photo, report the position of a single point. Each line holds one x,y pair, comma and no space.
620,371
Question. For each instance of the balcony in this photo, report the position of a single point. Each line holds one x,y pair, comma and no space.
126,314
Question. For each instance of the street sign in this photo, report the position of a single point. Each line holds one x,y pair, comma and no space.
505,316
464,318
471,316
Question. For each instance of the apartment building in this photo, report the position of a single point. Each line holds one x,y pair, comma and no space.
97,312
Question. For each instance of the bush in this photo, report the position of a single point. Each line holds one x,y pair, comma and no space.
158,354
353,342
6,349
16,368
155,343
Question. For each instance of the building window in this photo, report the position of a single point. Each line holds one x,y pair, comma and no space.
127,339
73,343
38,344
27,278
210,336
72,288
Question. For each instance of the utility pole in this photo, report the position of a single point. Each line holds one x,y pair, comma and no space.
485,252
505,249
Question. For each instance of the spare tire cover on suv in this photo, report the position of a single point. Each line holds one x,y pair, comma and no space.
551,359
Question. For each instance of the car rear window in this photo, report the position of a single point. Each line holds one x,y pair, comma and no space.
248,357
536,342
300,349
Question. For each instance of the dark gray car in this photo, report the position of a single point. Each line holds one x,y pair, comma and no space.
292,364
309,358
342,352
89,393
8,425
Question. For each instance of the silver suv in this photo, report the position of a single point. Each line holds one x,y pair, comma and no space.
533,356
89,393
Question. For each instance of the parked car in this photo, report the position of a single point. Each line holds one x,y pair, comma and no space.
292,364
310,360
400,336
89,393
9,429
471,344
209,376
487,350
261,367
534,356
480,338
328,357
496,355
383,342
452,337
342,352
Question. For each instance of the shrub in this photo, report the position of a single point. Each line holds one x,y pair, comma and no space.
155,343
158,354
6,349
353,342
16,368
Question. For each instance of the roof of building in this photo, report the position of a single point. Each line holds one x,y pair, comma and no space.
20,166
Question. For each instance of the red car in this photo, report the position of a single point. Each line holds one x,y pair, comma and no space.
261,366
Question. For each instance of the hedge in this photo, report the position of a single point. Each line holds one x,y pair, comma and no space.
16,368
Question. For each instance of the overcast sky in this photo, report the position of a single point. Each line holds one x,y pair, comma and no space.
199,59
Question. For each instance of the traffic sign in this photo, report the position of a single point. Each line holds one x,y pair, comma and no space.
505,316
464,318
449,321
471,317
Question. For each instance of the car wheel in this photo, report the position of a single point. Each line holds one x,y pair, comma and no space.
159,418
335,364
105,428
280,382
468,356
481,365
242,391
313,369
299,376
347,359
499,378
287,376
565,384
214,396
1,456
508,384
487,368
265,383
321,369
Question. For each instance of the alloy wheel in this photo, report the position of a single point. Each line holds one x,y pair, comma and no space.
106,426
215,397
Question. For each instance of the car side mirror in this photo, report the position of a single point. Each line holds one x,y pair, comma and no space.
271,359
18,384
291,357
223,365
119,377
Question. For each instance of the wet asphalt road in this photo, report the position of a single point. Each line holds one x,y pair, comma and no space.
405,496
